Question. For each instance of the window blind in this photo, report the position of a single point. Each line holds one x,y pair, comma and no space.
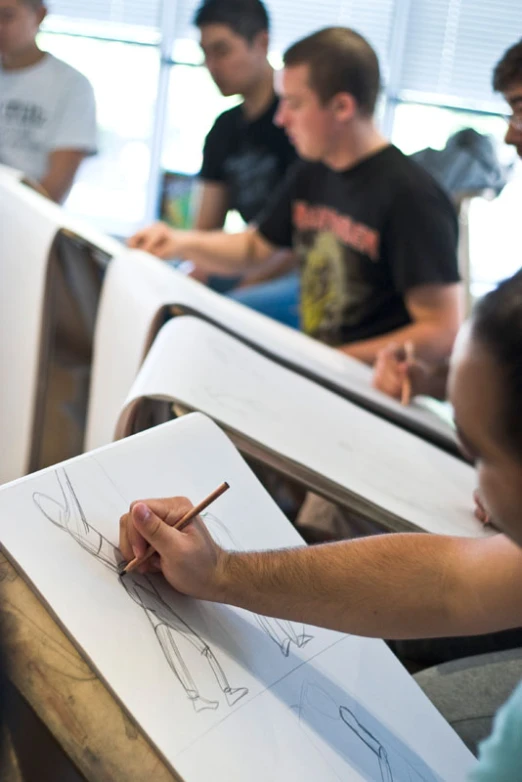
126,19
452,47
294,19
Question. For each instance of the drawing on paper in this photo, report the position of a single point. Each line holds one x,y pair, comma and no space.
281,631
361,738
67,513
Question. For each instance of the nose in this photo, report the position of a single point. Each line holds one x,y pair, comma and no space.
280,116
513,136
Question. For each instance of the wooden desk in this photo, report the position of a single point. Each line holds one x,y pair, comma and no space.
67,695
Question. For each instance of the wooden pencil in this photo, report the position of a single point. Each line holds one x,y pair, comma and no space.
179,525
406,383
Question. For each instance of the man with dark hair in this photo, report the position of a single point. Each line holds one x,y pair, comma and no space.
392,368
246,155
507,79
375,235
398,586
47,108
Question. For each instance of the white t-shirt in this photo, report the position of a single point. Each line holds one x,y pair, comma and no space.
45,107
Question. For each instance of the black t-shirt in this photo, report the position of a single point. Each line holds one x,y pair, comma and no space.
364,237
250,158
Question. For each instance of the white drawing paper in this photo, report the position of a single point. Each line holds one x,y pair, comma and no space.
201,367
139,289
209,684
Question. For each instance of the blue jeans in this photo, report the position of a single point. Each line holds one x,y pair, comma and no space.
279,298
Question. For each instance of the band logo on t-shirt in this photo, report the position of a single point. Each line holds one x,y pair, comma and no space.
307,217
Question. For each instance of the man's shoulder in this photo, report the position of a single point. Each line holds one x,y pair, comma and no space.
407,176
228,117
65,72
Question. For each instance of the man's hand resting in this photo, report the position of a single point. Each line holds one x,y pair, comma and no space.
158,239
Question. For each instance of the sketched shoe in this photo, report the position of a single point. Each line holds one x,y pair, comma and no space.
303,640
200,704
234,694
285,647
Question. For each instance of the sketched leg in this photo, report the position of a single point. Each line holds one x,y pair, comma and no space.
283,633
165,636
232,694
159,612
276,633
289,628
384,766
349,719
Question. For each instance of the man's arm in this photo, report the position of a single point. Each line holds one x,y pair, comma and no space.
216,252
387,586
61,170
436,313
212,206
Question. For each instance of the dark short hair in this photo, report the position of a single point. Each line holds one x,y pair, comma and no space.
35,5
497,325
246,18
340,60
508,71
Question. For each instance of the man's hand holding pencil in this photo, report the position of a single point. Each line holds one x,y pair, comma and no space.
166,535
401,375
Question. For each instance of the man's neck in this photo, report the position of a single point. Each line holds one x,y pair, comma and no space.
257,100
362,141
23,59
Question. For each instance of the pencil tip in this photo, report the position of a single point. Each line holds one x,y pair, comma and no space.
122,567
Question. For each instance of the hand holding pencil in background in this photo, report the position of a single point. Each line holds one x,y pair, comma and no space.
396,372
399,373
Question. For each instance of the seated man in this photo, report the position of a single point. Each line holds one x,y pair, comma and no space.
393,369
403,585
47,109
246,155
375,235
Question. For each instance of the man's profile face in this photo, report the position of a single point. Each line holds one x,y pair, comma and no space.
19,24
476,390
233,62
513,96
307,122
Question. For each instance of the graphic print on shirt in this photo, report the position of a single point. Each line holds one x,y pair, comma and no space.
19,122
252,175
331,248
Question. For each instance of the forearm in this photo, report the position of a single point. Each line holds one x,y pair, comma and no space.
62,169
283,262
433,343
216,252
389,586
56,187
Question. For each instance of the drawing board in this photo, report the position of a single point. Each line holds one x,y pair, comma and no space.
218,691
141,292
345,453
29,227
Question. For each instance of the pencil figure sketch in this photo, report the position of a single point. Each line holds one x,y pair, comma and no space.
64,510
365,742
281,631
351,721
